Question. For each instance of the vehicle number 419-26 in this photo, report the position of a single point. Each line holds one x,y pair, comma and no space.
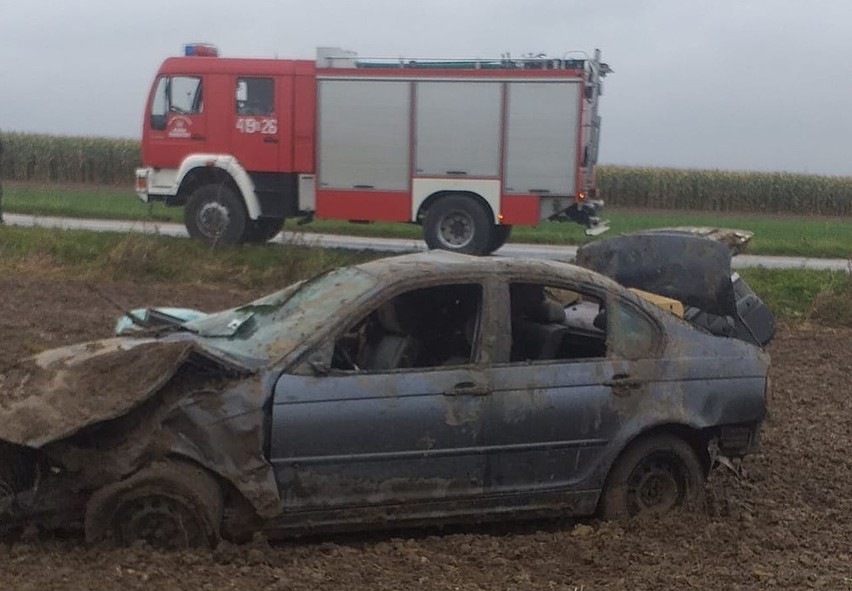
257,125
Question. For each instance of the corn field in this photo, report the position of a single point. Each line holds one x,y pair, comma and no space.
65,159
720,190
106,161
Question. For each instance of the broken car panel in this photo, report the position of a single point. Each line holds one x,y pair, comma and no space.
421,388
690,265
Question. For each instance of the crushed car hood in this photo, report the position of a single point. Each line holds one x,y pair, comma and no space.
56,393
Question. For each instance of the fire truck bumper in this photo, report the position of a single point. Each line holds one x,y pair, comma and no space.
597,228
586,213
142,183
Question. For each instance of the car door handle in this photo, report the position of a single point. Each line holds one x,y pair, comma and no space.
197,137
623,380
622,384
270,140
467,389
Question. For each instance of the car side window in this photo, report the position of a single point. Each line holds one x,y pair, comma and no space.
422,328
632,335
550,323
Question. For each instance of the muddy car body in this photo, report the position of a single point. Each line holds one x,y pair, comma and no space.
414,389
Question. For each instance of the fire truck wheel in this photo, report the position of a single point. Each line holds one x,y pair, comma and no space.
215,214
262,230
460,224
499,237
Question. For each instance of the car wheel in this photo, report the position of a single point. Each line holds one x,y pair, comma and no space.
17,474
262,230
654,475
169,505
499,237
460,224
215,214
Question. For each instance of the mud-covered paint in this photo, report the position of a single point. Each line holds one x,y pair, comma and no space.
308,449
56,393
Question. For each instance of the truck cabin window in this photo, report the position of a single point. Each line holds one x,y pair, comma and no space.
179,95
254,96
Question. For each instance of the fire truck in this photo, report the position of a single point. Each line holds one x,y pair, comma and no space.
465,148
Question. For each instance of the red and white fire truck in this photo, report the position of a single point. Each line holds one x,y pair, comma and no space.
467,148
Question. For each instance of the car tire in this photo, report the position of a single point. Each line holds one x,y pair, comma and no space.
654,475
215,214
169,505
458,223
499,237
262,230
18,470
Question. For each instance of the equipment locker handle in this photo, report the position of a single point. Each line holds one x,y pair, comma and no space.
270,140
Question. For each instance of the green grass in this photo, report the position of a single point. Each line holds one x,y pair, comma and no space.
804,294
83,202
775,235
794,295
97,256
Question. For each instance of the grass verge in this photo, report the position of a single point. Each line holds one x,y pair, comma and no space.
142,258
774,235
794,295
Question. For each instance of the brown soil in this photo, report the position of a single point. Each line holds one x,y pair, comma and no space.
786,525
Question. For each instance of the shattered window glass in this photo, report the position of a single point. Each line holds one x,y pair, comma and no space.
270,327
631,335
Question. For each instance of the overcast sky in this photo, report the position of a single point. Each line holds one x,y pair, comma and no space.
736,84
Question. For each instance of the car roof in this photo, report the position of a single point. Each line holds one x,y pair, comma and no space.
449,265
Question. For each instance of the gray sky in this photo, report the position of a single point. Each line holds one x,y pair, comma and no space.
735,84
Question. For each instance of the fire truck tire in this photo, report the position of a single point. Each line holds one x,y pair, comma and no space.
499,237
460,224
262,230
215,214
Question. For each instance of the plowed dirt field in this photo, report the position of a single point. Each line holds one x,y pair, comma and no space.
786,525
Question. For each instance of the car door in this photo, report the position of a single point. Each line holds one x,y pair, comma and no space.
375,434
549,420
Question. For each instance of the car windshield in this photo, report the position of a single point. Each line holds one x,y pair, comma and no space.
270,327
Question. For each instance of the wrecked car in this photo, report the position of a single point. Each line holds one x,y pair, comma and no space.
433,387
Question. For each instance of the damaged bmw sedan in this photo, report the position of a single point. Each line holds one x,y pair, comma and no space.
424,388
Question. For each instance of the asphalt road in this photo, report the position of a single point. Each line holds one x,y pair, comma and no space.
395,245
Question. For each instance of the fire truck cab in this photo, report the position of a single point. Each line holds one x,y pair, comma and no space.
467,149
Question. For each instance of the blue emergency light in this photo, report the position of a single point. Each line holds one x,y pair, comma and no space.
200,50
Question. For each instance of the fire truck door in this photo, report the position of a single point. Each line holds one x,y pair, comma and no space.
178,123
255,133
